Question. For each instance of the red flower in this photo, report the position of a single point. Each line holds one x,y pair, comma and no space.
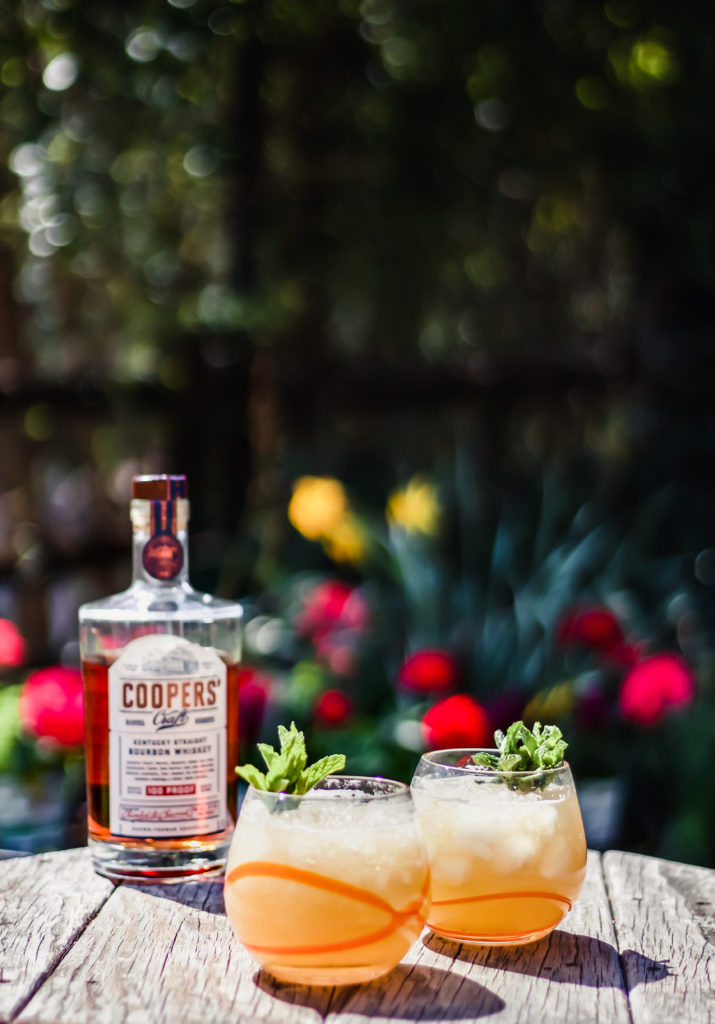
253,691
458,721
428,671
332,606
12,645
333,707
52,706
597,628
655,686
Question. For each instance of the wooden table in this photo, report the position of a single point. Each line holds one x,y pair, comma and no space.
639,946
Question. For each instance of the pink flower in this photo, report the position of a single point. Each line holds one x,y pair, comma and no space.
332,606
655,686
332,708
430,670
12,645
458,721
597,628
341,658
52,706
253,691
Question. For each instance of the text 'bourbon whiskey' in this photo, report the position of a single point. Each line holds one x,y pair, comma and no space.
160,663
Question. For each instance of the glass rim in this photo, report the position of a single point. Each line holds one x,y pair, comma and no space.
482,770
327,788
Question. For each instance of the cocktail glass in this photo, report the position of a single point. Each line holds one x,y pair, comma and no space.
329,888
507,850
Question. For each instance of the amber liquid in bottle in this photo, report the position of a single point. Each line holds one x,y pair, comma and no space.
160,664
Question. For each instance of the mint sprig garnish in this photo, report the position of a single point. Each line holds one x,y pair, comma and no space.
288,769
525,750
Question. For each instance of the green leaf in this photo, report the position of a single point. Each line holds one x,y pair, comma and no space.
319,771
485,760
293,749
269,755
252,776
9,725
510,763
287,771
525,750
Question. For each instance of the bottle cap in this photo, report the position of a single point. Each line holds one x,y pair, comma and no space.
159,488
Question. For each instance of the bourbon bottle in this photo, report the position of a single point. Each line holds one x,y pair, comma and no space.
160,663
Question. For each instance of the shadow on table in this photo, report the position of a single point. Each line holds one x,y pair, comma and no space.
206,896
560,957
409,992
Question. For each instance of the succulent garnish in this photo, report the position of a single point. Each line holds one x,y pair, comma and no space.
287,769
524,750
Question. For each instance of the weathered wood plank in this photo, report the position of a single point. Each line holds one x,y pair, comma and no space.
162,954
165,953
45,903
158,954
665,923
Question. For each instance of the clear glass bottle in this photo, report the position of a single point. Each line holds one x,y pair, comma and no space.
160,663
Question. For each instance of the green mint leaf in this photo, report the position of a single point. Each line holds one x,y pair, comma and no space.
552,746
317,772
485,760
511,763
252,776
269,755
521,749
293,749
276,779
287,771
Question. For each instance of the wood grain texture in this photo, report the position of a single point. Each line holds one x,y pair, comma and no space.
665,923
45,903
571,976
76,950
155,954
163,954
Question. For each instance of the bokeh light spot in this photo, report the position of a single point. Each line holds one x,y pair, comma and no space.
705,567
12,71
61,72
27,160
201,161
592,93
143,45
654,59
38,423
492,115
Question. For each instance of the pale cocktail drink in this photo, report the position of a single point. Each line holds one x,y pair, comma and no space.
331,887
507,851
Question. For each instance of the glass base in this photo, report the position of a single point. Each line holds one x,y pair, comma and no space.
353,975
472,939
144,864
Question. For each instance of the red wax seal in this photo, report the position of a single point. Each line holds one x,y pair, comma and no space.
163,556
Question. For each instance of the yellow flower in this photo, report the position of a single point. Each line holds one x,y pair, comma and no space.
546,705
318,506
346,542
416,508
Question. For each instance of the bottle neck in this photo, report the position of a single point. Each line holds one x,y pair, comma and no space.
160,553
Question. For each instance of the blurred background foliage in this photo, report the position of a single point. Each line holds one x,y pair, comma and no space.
442,272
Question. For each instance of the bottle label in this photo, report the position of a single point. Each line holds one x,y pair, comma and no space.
163,555
167,739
